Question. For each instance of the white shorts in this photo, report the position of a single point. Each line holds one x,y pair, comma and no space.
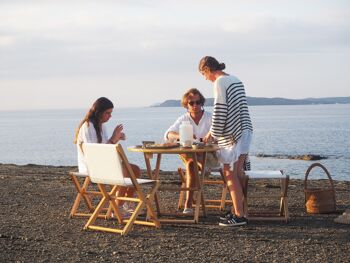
230,154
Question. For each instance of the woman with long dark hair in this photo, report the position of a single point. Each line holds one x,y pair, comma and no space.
92,129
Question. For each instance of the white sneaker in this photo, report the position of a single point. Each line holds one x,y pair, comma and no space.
188,211
123,213
343,219
129,207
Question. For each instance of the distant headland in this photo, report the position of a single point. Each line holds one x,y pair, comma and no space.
255,101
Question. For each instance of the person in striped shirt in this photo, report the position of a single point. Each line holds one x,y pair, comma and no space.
232,128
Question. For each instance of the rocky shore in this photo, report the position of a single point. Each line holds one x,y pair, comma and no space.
35,227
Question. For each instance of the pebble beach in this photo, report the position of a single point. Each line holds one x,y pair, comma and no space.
35,227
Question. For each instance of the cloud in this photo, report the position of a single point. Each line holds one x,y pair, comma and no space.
147,40
6,40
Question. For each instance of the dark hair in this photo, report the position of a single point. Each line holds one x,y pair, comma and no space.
94,115
211,64
192,92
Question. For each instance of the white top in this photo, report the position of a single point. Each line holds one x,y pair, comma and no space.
87,133
199,130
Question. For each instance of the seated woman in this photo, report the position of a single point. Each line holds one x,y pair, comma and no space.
92,129
193,101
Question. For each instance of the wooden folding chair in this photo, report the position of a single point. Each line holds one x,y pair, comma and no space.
219,181
106,165
282,213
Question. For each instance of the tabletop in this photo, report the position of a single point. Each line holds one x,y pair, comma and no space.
174,150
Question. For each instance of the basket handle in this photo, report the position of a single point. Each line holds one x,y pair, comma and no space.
323,168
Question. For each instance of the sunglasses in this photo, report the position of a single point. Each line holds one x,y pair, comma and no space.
198,102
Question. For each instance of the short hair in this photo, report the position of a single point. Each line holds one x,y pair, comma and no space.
211,64
192,92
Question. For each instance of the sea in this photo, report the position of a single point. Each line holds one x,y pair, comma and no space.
45,137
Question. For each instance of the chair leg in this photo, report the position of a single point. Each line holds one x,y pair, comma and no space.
133,217
151,214
143,201
183,184
286,212
284,200
106,198
81,190
95,214
245,195
110,207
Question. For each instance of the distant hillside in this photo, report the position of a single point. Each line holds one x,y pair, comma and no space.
253,101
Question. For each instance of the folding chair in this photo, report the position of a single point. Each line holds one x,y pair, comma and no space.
84,195
283,213
219,181
106,165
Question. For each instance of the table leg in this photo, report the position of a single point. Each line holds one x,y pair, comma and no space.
200,197
154,176
202,175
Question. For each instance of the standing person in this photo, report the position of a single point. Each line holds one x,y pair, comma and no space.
92,129
200,120
232,127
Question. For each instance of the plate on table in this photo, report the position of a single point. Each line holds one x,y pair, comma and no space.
137,146
166,145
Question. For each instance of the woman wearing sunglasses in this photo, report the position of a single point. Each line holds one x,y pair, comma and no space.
200,120
232,127
92,129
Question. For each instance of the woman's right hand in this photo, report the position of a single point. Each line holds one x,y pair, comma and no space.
118,134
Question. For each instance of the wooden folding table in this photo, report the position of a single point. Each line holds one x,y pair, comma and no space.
159,151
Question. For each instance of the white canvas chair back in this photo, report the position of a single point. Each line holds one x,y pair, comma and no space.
104,163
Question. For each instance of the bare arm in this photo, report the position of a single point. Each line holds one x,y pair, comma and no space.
173,136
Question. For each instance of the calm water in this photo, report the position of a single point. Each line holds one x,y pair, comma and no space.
46,137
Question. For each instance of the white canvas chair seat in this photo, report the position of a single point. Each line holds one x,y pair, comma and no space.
107,164
283,213
127,182
79,174
264,174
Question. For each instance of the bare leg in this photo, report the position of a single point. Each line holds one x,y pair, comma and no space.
234,184
190,182
240,168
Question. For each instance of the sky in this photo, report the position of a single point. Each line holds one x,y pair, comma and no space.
65,54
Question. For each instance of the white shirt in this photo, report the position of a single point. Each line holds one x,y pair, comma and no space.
199,130
87,133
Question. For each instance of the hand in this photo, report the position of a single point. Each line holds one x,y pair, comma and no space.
207,138
173,136
118,134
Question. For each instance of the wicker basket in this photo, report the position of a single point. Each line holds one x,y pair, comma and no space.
319,201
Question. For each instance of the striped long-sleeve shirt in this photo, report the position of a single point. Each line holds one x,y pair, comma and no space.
230,113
